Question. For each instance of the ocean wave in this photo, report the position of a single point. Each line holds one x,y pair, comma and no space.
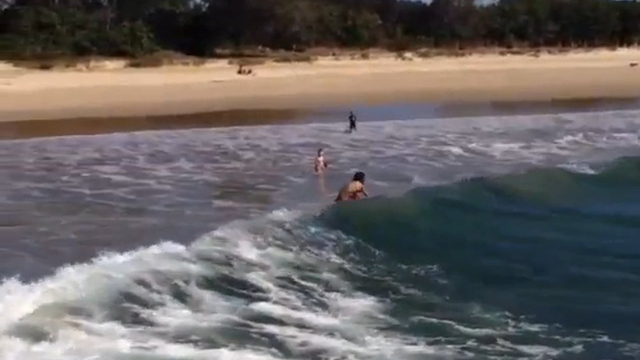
250,290
534,265
549,243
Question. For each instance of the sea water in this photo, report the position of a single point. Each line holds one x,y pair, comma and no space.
513,237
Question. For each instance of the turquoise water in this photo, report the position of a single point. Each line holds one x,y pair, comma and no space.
508,237
552,246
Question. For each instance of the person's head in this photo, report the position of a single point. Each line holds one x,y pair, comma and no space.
320,152
359,176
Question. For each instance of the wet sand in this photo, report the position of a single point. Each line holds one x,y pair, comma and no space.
90,126
68,102
367,113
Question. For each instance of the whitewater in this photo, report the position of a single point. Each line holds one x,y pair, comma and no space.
497,237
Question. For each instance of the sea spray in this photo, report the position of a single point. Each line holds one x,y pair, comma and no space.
494,237
486,267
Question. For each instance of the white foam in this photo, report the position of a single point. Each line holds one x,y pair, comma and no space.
346,324
301,286
190,165
535,350
579,168
460,328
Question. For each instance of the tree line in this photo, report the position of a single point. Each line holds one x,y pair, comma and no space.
40,28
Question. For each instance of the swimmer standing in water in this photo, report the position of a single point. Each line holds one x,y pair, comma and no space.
320,165
354,190
352,122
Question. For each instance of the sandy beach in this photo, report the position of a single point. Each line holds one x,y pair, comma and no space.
116,91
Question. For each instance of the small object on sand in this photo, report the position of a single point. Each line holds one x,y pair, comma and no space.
243,71
633,64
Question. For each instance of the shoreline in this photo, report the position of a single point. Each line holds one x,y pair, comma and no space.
27,129
31,129
175,96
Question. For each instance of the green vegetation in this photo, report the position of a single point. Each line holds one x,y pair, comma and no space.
51,29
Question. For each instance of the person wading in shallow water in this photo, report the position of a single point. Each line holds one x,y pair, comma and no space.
320,164
352,122
354,190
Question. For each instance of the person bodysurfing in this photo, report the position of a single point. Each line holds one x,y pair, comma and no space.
354,190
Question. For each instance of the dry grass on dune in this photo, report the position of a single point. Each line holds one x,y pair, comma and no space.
165,58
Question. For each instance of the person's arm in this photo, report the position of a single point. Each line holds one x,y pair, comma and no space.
363,191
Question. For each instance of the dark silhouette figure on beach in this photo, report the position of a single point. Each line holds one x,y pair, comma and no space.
352,122
243,71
